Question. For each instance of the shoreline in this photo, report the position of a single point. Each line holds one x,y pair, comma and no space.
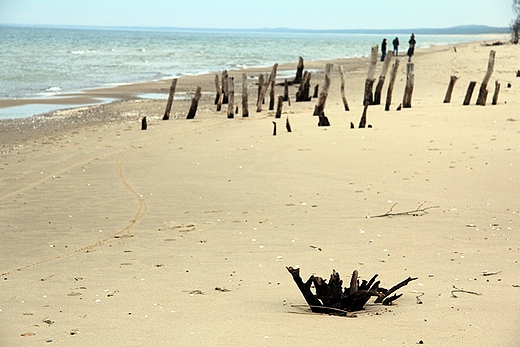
86,107
21,107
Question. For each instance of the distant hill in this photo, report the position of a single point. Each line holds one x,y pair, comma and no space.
458,30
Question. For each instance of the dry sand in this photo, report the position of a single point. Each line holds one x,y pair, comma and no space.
113,236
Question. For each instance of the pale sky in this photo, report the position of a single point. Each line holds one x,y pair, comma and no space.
232,14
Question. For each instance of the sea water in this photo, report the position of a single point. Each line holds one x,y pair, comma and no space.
39,62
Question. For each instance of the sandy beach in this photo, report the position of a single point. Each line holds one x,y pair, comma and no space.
181,234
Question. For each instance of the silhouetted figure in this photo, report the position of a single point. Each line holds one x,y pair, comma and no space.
383,50
395,42
411,49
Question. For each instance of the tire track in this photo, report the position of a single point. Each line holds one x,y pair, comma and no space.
124,233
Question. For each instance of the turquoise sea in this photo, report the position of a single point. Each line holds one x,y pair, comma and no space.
39,62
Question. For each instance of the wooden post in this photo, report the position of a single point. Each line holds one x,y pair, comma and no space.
483,92
447,98
245,108
286,92
342,88
170,100
299,71
231,97
144,124
495,95
469,92
218,88
369,83
382,77
272,77
219,103
260,86
323,120
274,128
271,96
363,120
279,107
407,98
288,125
303,91
194,104
225,86
316,91
393,75
320,107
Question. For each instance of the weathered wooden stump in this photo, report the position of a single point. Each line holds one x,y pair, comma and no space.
225,87
447,97
342,88
144,124
323,120
299,72
407,98
286,91
495,95
320,107
218,89
483,92
194,104
369,82
393,75
303,91
231,97
260,86
382,77
170,100
272,77
271,96
363,120
469,93
279,107
288,125
316,91
245,107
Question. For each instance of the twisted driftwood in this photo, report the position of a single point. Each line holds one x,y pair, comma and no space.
332,298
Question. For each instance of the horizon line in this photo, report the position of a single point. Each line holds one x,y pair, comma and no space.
471,28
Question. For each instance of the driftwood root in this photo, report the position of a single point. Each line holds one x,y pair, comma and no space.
332,298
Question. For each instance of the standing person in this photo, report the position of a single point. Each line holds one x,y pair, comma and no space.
383,50
396,45
411,49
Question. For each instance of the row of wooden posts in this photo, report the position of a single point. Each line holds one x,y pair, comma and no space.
225,89
483,92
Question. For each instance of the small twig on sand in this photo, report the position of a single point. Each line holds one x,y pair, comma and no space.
419,301
486,273
342,312
457,290
419,211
